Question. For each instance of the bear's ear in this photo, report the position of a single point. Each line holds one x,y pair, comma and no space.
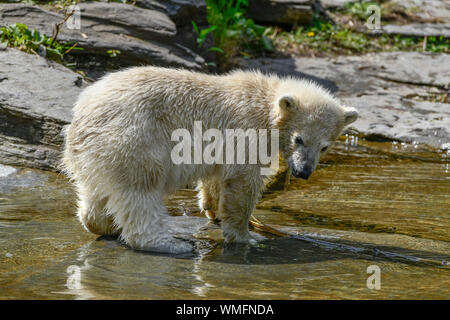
350,114
286,103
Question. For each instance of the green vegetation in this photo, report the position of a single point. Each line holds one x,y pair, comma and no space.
233,34
438,44
231,31
113,53
359,9
19,36
323,38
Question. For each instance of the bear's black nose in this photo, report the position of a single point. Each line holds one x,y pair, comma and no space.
305,173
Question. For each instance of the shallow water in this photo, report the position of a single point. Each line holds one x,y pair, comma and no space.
383,204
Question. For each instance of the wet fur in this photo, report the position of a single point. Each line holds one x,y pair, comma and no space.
118,146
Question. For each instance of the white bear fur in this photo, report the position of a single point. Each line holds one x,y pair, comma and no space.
118,146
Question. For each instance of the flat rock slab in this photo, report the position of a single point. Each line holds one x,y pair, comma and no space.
335,4
432,17
36,98
427,9
416,30
141,35
437,10
392,91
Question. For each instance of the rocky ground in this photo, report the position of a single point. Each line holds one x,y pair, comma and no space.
36,98
401,95
141,35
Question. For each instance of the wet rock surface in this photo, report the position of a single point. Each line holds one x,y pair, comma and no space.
36,98
399,95
141,35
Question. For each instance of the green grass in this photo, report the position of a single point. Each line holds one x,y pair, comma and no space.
438,44
231,31
112,53
323,38
19,36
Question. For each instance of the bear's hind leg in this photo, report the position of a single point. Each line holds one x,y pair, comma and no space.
144,221
92,215
208,197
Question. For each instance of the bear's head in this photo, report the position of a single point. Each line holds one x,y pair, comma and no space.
309,119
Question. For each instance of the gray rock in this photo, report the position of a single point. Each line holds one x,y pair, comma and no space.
293,12
141,35
182,12
428,69
392,91
6,170
335,4
427,9
36,98
416,29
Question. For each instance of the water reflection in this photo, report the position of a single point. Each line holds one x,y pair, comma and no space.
283,268
200,289
75,274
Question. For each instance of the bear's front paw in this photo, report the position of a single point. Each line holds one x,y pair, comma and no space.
243,238
175,246
167,245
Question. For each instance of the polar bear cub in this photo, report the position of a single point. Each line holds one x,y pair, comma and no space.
118,147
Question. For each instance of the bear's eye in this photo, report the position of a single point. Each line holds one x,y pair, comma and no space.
324,149
299,141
